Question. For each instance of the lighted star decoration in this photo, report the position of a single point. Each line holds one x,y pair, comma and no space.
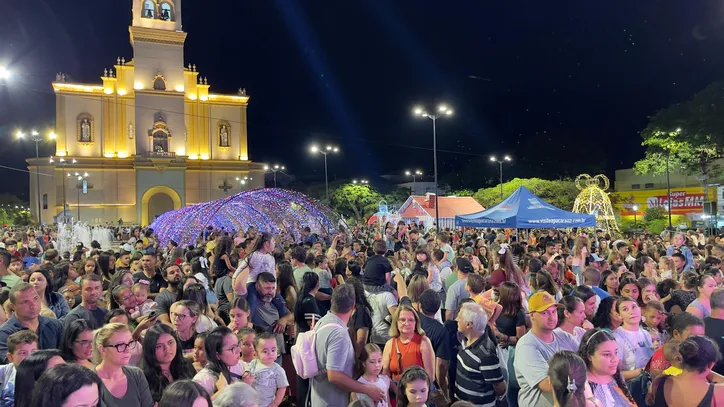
593,199
269,210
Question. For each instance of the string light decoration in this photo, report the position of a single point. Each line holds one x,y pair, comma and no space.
269,210
593,199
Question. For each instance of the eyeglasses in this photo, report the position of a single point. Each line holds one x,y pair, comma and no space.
84,343
180,317
122,347
233,349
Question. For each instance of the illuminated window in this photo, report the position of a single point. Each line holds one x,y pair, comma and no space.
45,201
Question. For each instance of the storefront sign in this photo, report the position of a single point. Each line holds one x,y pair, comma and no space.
684,201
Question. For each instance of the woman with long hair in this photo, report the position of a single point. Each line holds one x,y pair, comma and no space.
222,270
30,370
599,351
52,303
286,283
609,282
163,362
76,344
258,260
185,393
508,270
340,270
697,356
567,372
223,362
207,319
645,266
361,321
64,275
184,316
107,262
408,346
635,346
701,307
67,385
589,298
306,310
123,385
648,291
581,248
545,282
680,298
606,315
509,327
572,316
414,387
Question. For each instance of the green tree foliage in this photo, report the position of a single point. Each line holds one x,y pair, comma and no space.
654,213
560,193
463,192
689,134
355,201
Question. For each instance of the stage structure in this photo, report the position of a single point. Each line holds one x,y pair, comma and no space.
593,199
268,210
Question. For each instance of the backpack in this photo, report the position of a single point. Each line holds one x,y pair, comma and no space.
304,352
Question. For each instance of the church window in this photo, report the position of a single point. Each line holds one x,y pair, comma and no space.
45,201
166,12
149,9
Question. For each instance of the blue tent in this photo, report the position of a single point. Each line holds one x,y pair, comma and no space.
524,210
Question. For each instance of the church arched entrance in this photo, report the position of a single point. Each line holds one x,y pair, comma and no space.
157,201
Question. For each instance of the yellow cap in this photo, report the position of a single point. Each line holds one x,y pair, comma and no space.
541,301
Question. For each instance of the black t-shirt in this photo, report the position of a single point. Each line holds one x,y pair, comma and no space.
375,269
714,329
156,283
451,328
309,307
188,345
507,324
362,318
438,336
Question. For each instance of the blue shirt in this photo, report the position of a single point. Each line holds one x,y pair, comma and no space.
685,251
600,293
49,333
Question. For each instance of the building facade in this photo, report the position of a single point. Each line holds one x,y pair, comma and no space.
149,138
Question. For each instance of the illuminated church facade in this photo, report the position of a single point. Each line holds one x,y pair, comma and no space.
150,137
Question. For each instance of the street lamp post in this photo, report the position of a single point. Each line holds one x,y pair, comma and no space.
501,161
442,110
63,163
414,176
325,152
79,186
276,168
635,208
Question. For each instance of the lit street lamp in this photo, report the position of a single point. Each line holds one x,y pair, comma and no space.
244,180
276,168
64,163
325,152
362,181
37,138
442,110
5,73
414,175
635,208
504,159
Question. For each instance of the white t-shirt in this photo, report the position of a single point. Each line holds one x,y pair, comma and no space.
635,348
207,379
381,303
383,382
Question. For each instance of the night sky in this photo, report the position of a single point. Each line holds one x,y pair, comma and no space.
562,86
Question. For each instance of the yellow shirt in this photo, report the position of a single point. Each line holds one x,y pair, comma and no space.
210,246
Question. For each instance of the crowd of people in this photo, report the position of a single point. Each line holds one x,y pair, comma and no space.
396,316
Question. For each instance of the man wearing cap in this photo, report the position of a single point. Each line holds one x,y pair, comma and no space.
6,276
474,260
536,347
124,258
457,290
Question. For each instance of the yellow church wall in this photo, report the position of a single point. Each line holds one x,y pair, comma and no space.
229,115
75,105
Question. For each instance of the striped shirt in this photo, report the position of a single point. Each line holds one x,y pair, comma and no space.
477,371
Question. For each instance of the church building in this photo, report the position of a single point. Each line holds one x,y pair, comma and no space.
149,138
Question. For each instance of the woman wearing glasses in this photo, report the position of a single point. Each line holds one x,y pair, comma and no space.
223,362
76,345
123,385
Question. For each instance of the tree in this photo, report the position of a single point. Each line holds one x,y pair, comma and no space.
559,193
463,192
355,201
687,135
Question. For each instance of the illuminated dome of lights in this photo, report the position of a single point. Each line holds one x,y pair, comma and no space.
268,210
